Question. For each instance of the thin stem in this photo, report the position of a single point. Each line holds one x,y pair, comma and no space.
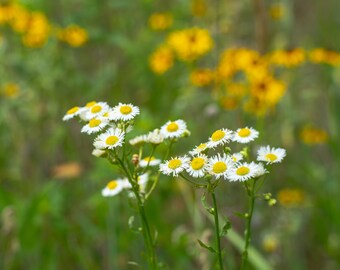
251,200
192,182
217,231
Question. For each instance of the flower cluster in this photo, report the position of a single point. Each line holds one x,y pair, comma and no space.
229,166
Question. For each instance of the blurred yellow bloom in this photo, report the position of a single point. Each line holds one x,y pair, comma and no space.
199,8
161,60
320,55
74,35
270,243
160,21
255,106
312,135
67,170
201,77
10,90
277,11
37,31
20,19
288,58
5,13
229,102
189,44
290,197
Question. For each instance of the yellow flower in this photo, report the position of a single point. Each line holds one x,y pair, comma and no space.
160,21
320,55
20,19
229,102
270,243
190,44
201,77
37,31
290,197
311,135
277,11
161,60
5,13
10,90
199,8
73,35
288,58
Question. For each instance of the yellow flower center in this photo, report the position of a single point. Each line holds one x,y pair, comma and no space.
106,114
112,185
72,110
218,135
234,159
197,163
147,159
271,157
111,140
90,104
125,109
94,123
172,127
242,170
96,109
174,164
219,167
244,132
202,146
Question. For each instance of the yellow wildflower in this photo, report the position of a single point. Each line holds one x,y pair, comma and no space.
277,11
290,197
229,102
161,60
287,58
37,31
320,55
198,8
270,243
20,19
160,21
311,135
73,35
189,44
201,77
10,90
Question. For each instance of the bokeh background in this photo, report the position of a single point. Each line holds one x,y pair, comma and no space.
270,64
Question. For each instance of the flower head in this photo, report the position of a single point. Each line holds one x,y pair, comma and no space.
271,155
114,187
95,125
124,112
243,172
220,137
245,135
155,137
174,166
149,161
236,157
72,113
98,109
199,149
111,139
174,129
197,166
220,165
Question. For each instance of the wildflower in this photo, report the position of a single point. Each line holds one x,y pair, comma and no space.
311,135
149,161
276,11
160,21
174,129
290,197
74,35
124,112
197,166
245,135
199,149
142,181
220,165
37,31
261,170
270,243
189,44
114,187
201,77
111,139
155,137
138,140
242,172
75,111
94,125
10,90
220,137
67,170
199,8
271,155
174,166
98,152
320,55
98,109
287,58
161,60
236,157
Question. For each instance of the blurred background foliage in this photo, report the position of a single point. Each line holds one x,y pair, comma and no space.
273,65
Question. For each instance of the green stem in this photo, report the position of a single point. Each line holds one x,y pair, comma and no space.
217,231
251,197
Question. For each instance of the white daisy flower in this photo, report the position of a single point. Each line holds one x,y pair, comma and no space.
271,155
94,125
174,166
143,181
199,149
236,157
98,152
243,172
220,165
124,112
138,140
261,170
98,109
245,135
155,137
114,187
198,166
72,113
149,161
220,137
86,108
174,129
111,139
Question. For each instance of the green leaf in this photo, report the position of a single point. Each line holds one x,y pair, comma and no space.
211,249
226,227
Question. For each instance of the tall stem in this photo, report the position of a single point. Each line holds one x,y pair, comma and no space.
217,231
251,201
